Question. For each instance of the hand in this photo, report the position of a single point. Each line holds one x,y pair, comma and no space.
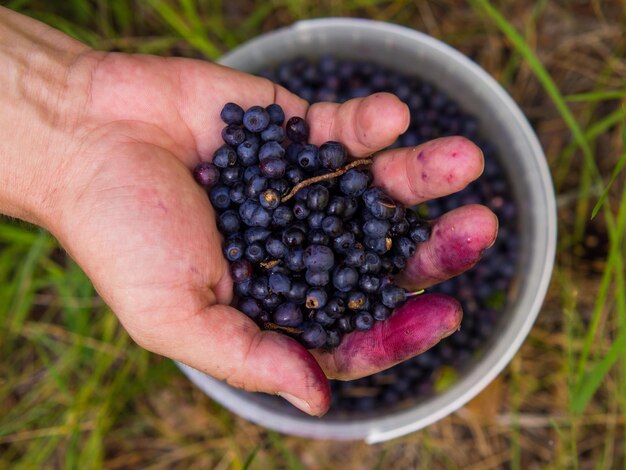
126,208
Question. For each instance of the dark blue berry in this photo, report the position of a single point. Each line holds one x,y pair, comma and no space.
380,312
369,283
345,278
253,215
256,119
273,167
317,278
206,174
228,222
318,237
233,135
250,173
372,263
318,258
352,206
231,175
332,225
292,152
298,292
333,339
256,186
232,114
275,247
256,234
336,206
259,288
269,199
332,155
353,182
357,301
234,248
279,283
247,153
273,133
219,197
376,228
404,246
315,219
272,301
294,259
237,193
420,233
294,175
224,156
379,245
316,298
355,257
288,314
318,197
280,185
282,216
392,296
255,253
250,307
345,324
271,149
363,321
297,129
335,307
308,158
276,113
313,335
242,289
292,236
300,210
323,318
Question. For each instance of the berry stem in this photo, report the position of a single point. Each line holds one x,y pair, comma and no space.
327,176
416,293
288,329
270,264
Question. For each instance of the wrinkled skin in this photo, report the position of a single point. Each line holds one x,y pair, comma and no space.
126,208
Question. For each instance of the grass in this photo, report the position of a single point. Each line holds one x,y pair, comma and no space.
77,393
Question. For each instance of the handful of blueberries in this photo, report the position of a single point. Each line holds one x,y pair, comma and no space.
313,247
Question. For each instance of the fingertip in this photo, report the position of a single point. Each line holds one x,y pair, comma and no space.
381,118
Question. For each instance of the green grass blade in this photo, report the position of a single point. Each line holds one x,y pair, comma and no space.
616,171
291,460
251,457
597,96
593,379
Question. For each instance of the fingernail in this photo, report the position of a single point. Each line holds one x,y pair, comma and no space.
297,402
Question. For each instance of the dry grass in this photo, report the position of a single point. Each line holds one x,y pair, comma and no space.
523,420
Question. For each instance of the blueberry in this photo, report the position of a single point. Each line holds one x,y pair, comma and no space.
345,324
332,225
363,321
282,216
237,193
292,151
300,210
318,258
247,153
233,135
353,182
276,113
316,298
380,245
273,133
234,248
336,206
399,262
250,173
224,156
308,158
243,288
313,335
317,278
259,288
250,307
380,312
273,167
275,247
232,114
294,175
369,283
256,186
345,278
399,215
355,257
228,222
294,259
318,197
255,253
392,296
376,228
206,174
297,129
371,263
271,149
280,185
279,283
256,119
399,228
318,237
357,301
272,301
352,206
420,232
383,207
256,234
298,292
220,197
314,220
241,270
404,246
335,307
332,155
253,215
323,318
288,314
269,199
292,237
231,175
343,243
333,339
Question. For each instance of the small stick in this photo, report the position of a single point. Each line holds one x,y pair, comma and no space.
288,329
417,292
327,176
270,264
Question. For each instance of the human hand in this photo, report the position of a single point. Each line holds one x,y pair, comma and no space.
124,205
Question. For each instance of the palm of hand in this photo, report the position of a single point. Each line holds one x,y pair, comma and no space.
145,233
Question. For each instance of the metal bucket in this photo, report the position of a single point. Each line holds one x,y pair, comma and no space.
505,126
